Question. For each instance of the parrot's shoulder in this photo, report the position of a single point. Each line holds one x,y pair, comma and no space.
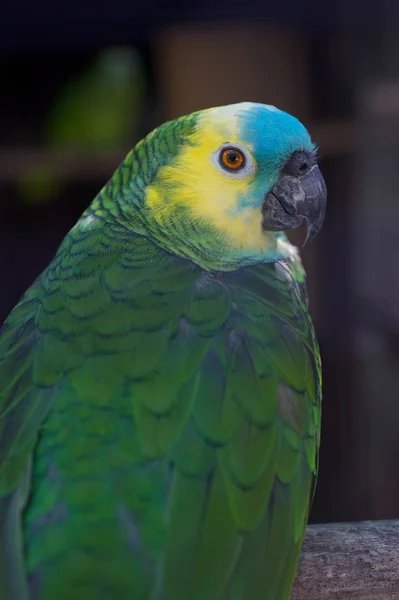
19,333
24,397
278,289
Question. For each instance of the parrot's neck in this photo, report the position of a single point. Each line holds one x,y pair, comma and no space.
112,210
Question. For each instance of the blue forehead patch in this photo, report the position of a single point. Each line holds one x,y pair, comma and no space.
273,134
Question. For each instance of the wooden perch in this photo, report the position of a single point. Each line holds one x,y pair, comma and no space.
350,561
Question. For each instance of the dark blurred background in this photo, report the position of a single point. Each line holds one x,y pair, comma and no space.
81,83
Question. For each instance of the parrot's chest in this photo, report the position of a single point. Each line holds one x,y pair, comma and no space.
203,409
230,337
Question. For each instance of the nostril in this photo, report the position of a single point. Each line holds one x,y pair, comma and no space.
299,164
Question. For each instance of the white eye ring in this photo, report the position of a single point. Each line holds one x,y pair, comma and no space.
244,170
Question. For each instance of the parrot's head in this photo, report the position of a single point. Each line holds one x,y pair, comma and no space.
237,178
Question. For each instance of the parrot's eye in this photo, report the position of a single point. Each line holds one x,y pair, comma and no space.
232,159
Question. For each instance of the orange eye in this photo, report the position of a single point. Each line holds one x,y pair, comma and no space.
232,159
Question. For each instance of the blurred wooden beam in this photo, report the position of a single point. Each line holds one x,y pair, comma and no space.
70,165
80,165
350,561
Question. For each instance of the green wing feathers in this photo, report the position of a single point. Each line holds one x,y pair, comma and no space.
250,444
173,421
24,404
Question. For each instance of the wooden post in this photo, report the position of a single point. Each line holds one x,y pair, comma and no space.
199,66
350,561
375,215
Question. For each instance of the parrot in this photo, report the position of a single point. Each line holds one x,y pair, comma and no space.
160,381
96,111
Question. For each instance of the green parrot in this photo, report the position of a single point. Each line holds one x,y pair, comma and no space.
160,382
97,111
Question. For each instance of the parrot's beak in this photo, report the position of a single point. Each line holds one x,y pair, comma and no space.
295,198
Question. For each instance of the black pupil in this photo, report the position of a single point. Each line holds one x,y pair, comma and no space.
230,158
233,157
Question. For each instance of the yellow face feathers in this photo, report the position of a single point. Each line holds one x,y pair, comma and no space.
208,197
211,194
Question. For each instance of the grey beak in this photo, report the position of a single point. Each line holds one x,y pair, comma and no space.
295,198
313,207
